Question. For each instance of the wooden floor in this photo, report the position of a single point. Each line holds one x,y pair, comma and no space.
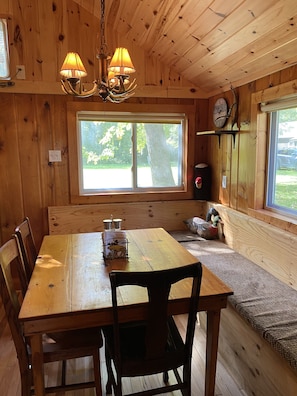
10,379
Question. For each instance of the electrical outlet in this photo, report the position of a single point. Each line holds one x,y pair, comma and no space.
54,156
20,72
224,181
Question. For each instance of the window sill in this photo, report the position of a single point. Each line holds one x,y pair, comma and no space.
280,221
77,199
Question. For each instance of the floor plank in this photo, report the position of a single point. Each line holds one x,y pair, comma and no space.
82,368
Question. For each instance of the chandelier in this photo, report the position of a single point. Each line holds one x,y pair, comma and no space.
113,82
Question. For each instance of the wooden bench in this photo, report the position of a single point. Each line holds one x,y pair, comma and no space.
258,333
259,328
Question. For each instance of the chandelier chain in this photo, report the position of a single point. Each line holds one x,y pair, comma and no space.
102,27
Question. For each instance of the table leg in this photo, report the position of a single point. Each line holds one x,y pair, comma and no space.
37,364
212,338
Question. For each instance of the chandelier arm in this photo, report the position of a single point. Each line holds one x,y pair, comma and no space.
132,85
117,100
67,88
64,89
122,96
126,93
113,100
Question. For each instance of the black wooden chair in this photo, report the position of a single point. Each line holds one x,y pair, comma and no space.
68,345
27,244
154,345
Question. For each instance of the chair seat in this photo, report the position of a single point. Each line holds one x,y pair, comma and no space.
83,337
132,339
62,346
133,349
79,342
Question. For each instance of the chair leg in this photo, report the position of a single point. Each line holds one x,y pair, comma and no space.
97,372
26,380
112,383
187,380
118,386
64,366
165,377
26,387
109,372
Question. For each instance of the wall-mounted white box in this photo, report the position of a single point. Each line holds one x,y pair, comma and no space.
54,156
224,181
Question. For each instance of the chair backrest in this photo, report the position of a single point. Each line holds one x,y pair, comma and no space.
27,244
9,253
158,284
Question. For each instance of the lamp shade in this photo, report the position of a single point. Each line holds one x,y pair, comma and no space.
121,63
73,66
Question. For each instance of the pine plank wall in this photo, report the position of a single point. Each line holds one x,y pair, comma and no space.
32,124
33,119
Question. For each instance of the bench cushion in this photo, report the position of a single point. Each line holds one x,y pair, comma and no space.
266,303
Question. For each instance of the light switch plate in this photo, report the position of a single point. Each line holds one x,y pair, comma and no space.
224,181
54,156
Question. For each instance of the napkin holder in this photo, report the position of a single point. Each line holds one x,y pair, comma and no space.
115,245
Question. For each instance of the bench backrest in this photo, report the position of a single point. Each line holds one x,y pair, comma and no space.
88,218
270,247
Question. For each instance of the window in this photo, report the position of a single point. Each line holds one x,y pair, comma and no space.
4,55
282,158
131,152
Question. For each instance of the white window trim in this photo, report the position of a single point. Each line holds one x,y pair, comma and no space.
5,50
279,104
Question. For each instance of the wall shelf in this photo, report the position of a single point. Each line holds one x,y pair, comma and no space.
219,133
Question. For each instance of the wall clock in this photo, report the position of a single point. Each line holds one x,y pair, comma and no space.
220,112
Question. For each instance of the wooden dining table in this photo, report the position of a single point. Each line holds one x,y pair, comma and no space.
70,289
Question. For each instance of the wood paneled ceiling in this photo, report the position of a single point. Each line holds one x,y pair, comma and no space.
211,43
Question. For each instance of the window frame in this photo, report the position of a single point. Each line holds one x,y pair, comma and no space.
259,134
77,198
134,119
273,122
